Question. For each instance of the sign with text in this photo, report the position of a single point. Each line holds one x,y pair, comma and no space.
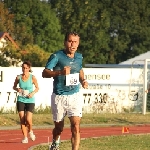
110,89
72,79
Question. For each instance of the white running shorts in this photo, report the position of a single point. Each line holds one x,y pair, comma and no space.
62,105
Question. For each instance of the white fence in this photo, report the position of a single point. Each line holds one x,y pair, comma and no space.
110,89
8,96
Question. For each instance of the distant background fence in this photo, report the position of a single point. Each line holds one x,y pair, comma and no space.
111,89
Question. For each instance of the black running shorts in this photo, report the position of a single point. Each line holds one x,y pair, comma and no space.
25,106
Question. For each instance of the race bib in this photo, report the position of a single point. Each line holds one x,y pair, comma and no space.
24,93
72,79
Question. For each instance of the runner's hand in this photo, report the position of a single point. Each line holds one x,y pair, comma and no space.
84,84
66,70
30,95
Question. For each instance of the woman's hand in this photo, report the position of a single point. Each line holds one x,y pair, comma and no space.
30,95
19,90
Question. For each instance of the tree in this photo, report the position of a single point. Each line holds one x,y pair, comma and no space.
37,56
46,28
9,55
6,20
111,32
130,28
6,25
91,19
36,23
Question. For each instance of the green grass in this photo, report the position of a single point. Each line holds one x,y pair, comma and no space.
126,142
101,119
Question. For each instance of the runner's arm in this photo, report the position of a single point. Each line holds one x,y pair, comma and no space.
82,80
15,85
49,73
35,84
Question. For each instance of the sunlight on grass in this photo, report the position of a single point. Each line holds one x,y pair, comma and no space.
126,142
101,119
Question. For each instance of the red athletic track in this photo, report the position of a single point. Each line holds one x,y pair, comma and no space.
11,139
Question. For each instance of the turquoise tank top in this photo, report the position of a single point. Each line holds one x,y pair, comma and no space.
27,86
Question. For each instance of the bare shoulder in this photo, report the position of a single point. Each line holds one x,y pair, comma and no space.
18,76
17,79
33,78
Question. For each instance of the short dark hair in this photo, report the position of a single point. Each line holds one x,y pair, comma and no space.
71,33
28,63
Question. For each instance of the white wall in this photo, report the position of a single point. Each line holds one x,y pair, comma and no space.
113,89
109,90
8,96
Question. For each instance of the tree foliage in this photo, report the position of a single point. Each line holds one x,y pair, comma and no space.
111,31
9,55
130,28
6,20
36,23
37,56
